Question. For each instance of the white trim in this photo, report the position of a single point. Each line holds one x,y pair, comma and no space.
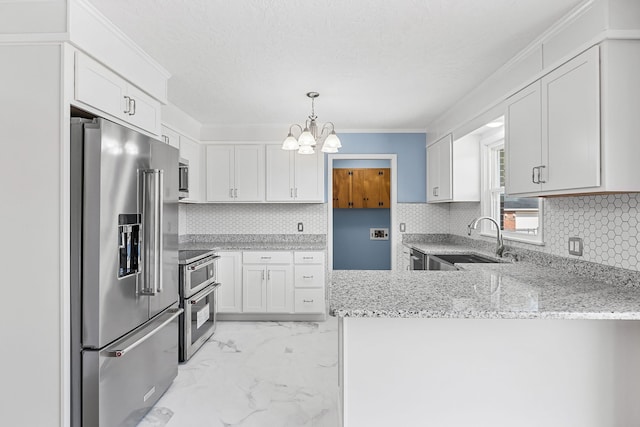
487,145
393,158
91,9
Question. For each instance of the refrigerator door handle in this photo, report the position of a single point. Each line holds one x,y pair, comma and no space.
125,345
152,204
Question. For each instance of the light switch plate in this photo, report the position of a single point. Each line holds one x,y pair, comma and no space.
300,227
379,234
403,227
576,246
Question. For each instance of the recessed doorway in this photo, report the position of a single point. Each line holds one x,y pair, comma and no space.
362,203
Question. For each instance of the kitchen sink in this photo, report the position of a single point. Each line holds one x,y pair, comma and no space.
465,258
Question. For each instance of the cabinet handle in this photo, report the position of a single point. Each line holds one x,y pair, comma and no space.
533,175
235,193
231,193
269,275
132,107
291,193
295,192
307,257
265,257
307,300
262,274
128,105
540,174
307,277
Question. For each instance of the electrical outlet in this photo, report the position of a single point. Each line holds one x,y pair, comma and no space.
576,246
378,234
403,227
300,227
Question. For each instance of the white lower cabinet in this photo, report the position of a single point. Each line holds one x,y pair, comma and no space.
272,282
267,282
309,300
229,274
309,282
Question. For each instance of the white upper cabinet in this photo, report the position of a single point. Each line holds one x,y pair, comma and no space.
171,137
235,173
98,87
571,124
193,151
552,137
439,170
453,170
523,137
293,177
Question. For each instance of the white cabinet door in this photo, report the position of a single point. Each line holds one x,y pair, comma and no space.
144,111
439,157
571,120
99,87
280,181
249,173
254,289
220,183
229,273
523,139
280,289
192,151
171,137
309,177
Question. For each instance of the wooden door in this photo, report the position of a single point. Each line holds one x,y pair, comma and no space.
341,188
384,188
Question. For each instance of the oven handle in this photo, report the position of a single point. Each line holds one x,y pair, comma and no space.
118,351
203,293
204,264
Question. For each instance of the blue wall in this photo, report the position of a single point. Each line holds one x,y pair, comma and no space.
411,152
352,248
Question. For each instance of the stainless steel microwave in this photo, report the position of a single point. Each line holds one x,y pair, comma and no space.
183,178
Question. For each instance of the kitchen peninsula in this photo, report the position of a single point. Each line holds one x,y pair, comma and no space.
493,344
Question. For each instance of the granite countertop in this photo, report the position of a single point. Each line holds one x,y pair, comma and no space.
255,246
520,290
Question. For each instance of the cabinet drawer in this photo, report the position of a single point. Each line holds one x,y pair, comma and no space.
309,258
309,301
309,276
275,257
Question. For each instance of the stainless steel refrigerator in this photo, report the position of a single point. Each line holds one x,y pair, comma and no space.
124,268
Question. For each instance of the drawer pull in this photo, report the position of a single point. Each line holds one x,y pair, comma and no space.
307,300
307,277
307,257
265,257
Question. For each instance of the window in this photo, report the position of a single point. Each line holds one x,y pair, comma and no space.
520,218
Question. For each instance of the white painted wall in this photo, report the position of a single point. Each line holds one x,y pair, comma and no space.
490,372
32,258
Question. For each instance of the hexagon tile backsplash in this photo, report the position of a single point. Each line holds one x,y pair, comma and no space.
608,225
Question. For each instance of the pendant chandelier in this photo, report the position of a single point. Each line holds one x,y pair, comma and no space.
309,136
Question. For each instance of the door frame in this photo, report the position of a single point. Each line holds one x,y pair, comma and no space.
393,160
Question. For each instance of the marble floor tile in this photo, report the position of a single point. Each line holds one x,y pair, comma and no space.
257,374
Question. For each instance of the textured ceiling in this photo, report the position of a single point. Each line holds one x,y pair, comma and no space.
392,65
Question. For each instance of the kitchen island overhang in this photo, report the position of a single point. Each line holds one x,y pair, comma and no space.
486,348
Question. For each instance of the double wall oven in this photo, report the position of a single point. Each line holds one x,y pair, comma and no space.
198,288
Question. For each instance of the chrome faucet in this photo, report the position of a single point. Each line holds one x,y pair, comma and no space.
500,245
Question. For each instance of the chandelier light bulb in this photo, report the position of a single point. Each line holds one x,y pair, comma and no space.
306,139
332,141
306,149
326,149
290,143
